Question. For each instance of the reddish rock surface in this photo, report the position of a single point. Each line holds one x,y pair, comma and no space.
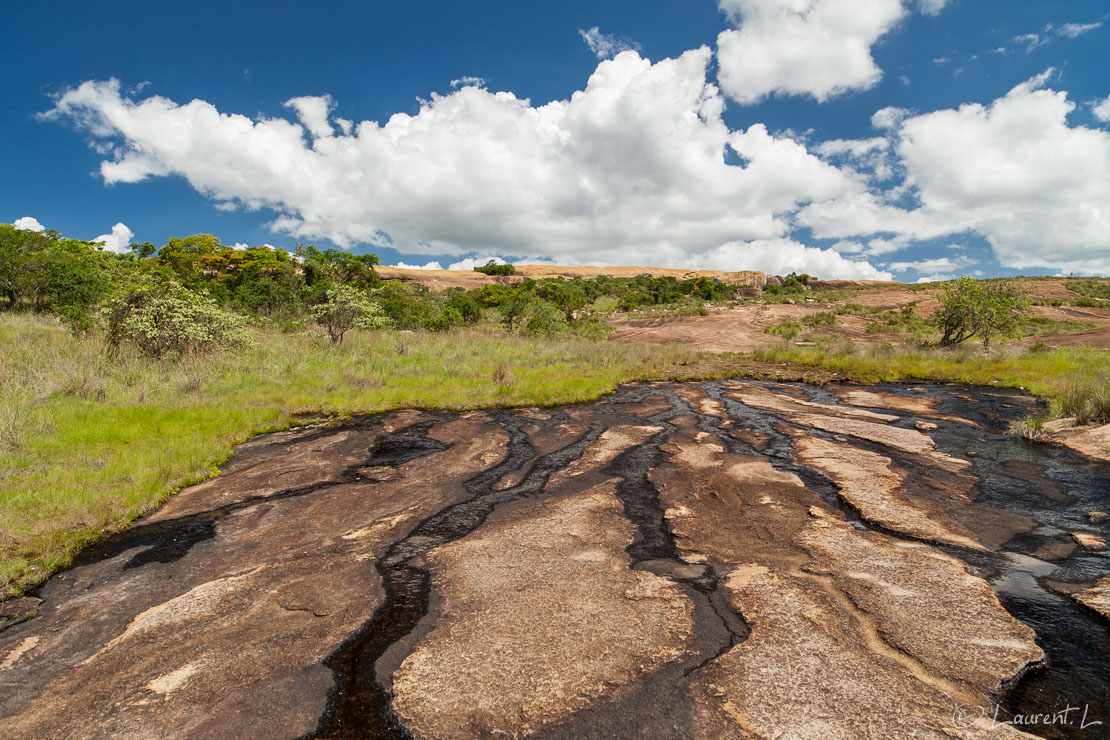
726,559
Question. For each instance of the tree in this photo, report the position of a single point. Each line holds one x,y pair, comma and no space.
346,308
189,257
568,297
494,268
19,251
982,308
324,268
514,309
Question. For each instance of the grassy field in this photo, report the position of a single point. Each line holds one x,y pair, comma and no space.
87,444
1051,374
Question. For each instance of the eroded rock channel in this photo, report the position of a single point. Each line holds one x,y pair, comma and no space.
719,559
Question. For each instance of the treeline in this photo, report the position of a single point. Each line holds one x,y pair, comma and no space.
204,292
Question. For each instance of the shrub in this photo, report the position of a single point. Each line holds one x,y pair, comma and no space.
346,308
493,268
787,329
821,318
168,319
971,308
543,318
515,309
851,309
464,306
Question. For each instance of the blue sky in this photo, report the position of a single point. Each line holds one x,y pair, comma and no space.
846,138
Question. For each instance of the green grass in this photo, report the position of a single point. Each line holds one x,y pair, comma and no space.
1034,326
856,309
1090,288
787,329
816,296
821,318
1048,374
88,444
688,306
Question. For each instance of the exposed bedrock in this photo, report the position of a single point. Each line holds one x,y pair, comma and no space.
540,617
1096,597
720,559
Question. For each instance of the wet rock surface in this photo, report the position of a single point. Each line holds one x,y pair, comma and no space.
719,559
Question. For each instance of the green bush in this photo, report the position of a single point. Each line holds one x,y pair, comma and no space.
543,318
346,308
492,268
980,308
821,318
787,329
165,318
515,309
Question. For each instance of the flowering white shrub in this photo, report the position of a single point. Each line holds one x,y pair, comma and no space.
169,319
346,308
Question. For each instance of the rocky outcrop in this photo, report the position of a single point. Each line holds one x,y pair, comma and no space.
1096,597
867,482
675,560
540,617
1093,442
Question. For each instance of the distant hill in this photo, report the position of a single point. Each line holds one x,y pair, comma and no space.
441,279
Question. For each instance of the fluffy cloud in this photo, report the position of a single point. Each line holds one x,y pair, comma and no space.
1013,171
604,45
871,155
630,169
1101,109
934,266
468,81
782,256
313,113
804,47
28,223
433,265
117,240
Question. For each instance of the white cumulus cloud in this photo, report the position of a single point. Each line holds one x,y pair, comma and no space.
117,240
783,256
605,45
934,266
433,265
28,223
630,169
1013,171
468,81
1101,109
820,48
